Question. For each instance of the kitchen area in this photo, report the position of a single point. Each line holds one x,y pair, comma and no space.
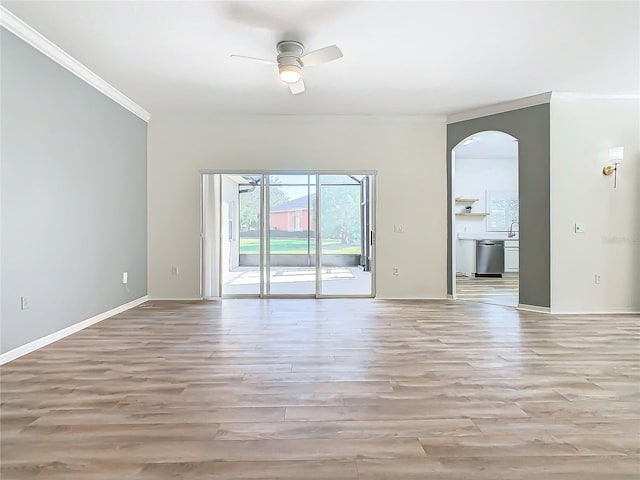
486,219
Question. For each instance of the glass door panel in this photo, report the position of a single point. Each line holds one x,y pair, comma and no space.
345,235
290,232
241,234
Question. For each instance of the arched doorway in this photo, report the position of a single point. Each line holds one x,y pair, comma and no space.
485,218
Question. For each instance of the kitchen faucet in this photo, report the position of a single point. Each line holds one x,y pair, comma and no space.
511,232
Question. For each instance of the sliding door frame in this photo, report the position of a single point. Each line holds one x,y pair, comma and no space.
371,201
266,180
265,236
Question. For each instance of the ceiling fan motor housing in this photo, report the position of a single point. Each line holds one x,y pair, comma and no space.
289,53
290,48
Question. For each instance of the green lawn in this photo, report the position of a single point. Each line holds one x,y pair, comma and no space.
294,246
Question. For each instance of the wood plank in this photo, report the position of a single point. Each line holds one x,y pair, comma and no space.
328,389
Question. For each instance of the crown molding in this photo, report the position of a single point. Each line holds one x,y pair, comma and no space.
594,96
534,100
500,108
230,118
25,32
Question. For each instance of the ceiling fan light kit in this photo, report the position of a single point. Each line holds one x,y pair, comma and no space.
290,61
290,73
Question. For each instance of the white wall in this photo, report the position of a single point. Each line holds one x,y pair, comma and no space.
230,247
474,176
582,131
408,153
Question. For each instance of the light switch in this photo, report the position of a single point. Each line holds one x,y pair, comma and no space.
398,228
580,228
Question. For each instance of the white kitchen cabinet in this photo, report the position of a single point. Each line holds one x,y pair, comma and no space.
466,257
511,256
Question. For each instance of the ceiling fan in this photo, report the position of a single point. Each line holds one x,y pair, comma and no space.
290,61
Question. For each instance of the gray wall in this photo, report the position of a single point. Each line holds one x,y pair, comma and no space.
74,198
531,127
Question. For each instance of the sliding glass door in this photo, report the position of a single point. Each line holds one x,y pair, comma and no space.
260,233
345,235
241,232
290,229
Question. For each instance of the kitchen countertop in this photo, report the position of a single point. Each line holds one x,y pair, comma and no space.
486,236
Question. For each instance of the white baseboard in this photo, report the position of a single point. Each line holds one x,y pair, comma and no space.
65,332
437,299
533,308
612,311
175,299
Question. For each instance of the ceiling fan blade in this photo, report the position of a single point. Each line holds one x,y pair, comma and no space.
322,55
297,87
259,60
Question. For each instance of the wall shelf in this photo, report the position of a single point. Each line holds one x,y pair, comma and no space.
463,214
466,200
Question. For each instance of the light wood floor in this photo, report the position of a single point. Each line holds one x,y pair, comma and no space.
328,389
494,290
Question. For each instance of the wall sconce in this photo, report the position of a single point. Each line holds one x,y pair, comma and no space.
616,155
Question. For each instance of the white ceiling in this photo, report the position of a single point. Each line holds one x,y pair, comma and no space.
400,58
489,145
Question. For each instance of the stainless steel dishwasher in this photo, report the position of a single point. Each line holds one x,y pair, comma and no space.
489,257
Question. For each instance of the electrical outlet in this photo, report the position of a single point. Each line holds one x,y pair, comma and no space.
125,277
174,270
597,279
24,303
396,271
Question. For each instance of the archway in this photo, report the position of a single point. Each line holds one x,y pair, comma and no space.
531,126
485,218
